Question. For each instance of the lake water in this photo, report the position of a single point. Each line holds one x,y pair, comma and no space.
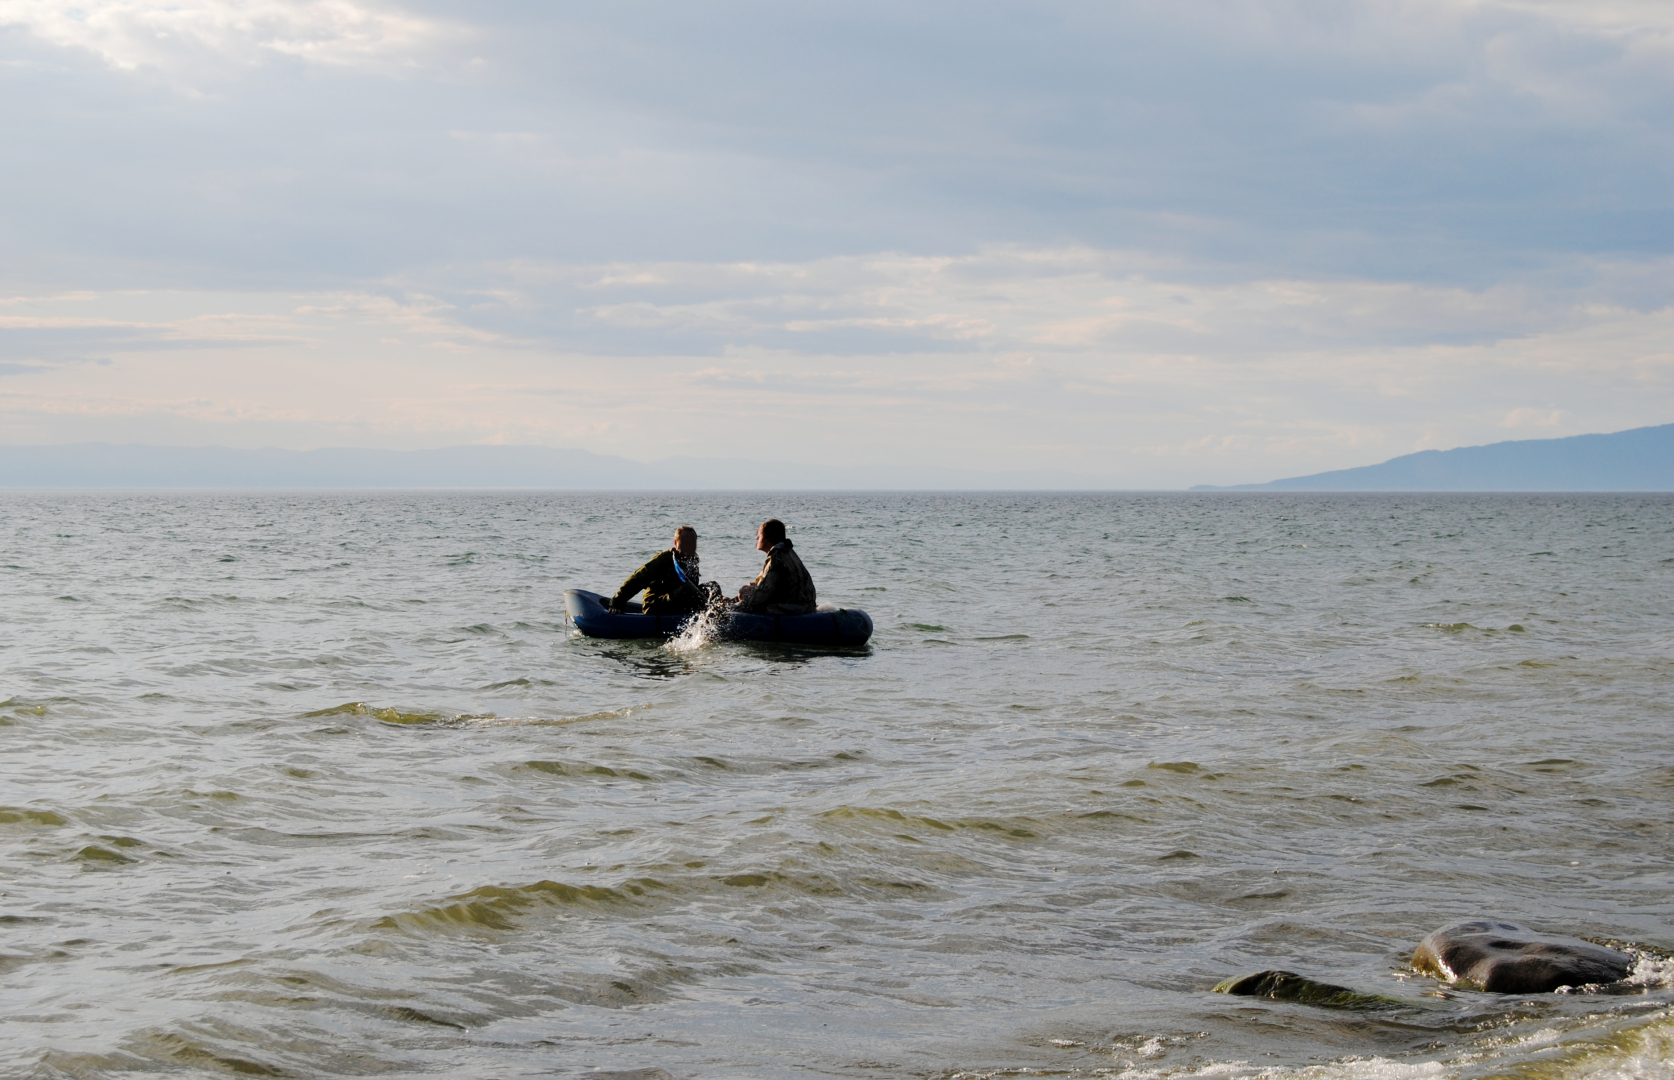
324,785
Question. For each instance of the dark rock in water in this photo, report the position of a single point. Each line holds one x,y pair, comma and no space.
1289,986
1510,959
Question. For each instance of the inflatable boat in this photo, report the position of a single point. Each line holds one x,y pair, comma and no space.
827,626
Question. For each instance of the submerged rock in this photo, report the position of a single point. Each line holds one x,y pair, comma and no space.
1506,958
1289,986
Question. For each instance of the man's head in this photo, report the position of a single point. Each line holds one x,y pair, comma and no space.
685,541
772,532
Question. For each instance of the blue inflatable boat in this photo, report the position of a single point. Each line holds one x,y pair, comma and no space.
827,626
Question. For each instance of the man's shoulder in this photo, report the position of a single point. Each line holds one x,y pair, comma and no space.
656,564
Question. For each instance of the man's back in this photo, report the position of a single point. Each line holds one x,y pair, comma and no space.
783,587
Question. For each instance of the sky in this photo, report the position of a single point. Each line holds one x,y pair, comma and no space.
1150,243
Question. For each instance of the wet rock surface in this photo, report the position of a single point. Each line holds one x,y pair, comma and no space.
1289,986
1506,958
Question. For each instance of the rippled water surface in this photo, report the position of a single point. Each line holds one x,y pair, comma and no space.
324,785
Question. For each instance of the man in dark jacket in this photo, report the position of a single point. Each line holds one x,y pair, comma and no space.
670,580
783,587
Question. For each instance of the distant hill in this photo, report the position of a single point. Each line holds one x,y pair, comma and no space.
106,465
1638,460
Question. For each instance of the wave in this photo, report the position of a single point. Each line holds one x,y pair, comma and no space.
391,715
503,907
387,715
507,908
12,815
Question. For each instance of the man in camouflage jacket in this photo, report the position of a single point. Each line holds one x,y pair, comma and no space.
670,580
783,587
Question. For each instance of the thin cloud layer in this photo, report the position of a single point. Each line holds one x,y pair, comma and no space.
133,34
1113,366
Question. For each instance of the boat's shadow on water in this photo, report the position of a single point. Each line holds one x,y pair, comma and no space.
651,659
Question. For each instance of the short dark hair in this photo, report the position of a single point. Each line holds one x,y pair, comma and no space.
683,530
773,530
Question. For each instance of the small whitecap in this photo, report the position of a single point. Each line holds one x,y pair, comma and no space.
1651,971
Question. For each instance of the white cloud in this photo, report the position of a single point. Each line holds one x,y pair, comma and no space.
1610,16
1534,418
131,34
1054,300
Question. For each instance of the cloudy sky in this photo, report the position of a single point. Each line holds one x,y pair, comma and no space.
1157,243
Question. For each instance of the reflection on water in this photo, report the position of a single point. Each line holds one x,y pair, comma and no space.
325,785
647,659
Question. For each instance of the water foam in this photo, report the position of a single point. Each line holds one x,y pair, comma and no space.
1643,1052
708,625
1372,1068
1652,972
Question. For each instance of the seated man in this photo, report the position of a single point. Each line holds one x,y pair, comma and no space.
783,587
670,580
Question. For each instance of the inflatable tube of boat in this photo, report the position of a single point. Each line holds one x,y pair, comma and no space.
835,626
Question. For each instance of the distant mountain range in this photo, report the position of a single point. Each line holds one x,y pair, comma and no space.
105,465
1638,460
